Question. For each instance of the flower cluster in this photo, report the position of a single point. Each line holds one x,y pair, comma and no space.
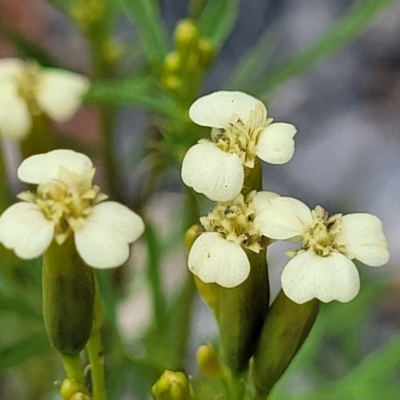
322,267
67,202
27,90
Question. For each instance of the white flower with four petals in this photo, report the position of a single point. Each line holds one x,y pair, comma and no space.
26,89
66,202
241,132
322,267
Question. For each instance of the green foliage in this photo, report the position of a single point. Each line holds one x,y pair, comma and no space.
146,17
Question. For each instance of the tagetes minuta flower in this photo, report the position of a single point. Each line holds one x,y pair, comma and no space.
218,254
322,268
27,89
240,132
67,203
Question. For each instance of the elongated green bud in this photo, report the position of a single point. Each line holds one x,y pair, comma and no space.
208,361
68,298
285,330
242,313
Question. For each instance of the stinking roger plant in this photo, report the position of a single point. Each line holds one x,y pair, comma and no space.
67,203
240,132
230,250
27,90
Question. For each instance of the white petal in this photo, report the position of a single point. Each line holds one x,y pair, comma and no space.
216,260
42,168
15,118
216,109
275,144
262,200
24,229
59,93
103,240
10,67
309,276
284,218
363,236
211,171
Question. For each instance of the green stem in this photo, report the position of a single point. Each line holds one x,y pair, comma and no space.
95,353
234,387
73,367
94,349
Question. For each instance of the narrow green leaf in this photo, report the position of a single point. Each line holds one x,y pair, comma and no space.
340,33
138,91
254,63
19,306
145,15
217,20
23,350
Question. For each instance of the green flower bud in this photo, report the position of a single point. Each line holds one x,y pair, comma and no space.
171,386
80,396
185,36
285,330
243,310
207,359
70,387
68,298
206,53
172,62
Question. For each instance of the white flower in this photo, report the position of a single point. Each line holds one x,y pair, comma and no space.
241,132
26,90
322,267
218,254
67,202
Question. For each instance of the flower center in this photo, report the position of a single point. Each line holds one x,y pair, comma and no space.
321,236
234,221
241,138
66,201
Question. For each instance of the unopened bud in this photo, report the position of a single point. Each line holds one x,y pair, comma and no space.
80,396
185,36
172,62
207,359
171,386
191,235
70,387
206,53
172,82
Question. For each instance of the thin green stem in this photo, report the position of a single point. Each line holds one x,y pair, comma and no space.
95,353
73,368
234,386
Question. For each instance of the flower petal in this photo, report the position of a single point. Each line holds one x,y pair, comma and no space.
309,276
275,144
285,218
214,259
15,118
262,200
10,67
363,237
216,109
24,229
103,240
42,168
211,171
59,93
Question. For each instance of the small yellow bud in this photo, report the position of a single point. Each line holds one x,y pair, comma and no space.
172,82
172,62
171,386
69,388
112,51
185,35
209,293
80,396
207,53
207,359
